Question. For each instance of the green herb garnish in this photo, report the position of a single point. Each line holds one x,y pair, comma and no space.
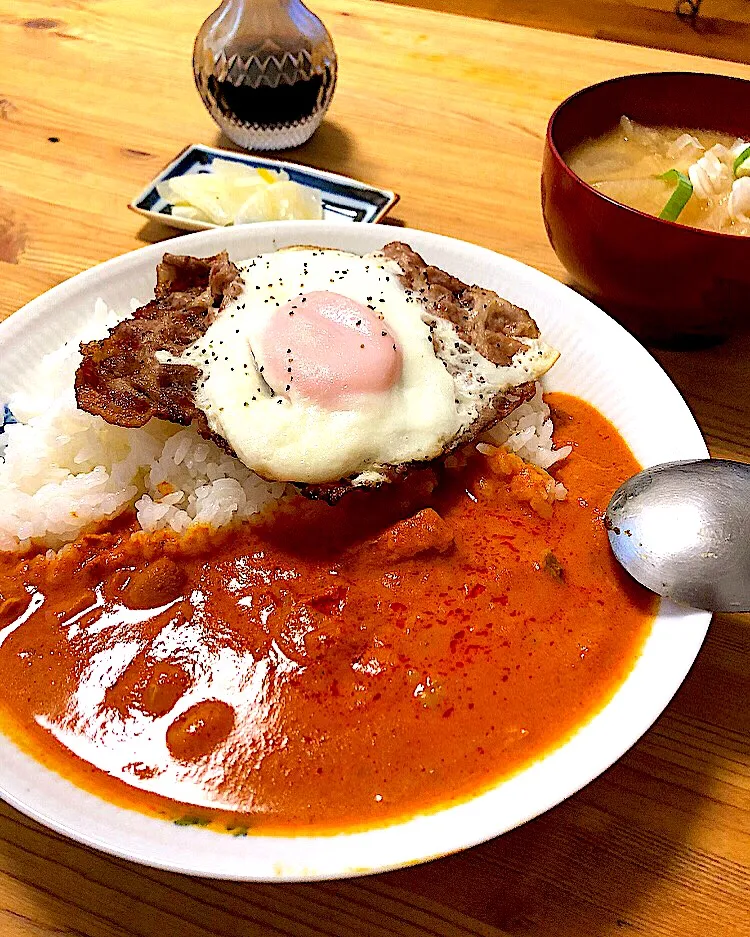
741,159
191,821
554,567
679,198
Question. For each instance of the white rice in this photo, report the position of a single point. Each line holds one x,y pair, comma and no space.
527,432
62,469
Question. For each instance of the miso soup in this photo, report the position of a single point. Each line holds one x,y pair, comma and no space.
695,177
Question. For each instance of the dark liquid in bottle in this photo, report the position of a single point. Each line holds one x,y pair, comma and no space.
270,107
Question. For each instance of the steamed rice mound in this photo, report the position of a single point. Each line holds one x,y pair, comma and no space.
65,469
62,469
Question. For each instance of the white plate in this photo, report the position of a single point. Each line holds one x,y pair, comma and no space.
599,362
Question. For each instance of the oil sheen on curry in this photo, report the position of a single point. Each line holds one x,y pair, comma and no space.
331,666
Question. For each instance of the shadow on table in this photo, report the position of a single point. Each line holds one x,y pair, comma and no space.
331,147
153,232
608,861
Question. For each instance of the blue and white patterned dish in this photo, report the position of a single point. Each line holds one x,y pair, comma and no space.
344,199
6,417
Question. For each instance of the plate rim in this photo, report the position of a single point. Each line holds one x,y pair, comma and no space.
192,840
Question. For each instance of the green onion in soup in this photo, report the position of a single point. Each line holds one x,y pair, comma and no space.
695,177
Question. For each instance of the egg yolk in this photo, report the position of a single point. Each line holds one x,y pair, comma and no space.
329,349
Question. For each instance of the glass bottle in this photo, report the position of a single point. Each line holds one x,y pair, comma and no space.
266,70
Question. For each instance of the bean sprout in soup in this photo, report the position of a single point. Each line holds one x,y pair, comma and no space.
695,177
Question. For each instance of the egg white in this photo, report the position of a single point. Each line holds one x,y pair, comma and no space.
296,439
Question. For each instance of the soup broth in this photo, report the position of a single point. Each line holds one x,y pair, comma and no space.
628,165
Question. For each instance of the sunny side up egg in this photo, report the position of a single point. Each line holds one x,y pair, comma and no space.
325,367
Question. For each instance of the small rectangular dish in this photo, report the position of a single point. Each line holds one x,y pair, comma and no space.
343,199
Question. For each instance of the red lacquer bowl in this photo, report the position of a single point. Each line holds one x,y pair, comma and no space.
664,281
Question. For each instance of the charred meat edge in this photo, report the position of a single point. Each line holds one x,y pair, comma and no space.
121,380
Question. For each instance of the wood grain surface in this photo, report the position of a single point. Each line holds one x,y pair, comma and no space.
95,96
718,28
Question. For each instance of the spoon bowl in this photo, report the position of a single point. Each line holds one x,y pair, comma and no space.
682,529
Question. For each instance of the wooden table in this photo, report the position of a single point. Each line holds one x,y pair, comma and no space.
95,96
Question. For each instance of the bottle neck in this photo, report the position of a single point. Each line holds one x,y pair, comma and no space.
275,19
238,9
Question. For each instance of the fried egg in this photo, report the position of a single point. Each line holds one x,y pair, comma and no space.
326,367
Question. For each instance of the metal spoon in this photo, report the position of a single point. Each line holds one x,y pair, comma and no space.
682,529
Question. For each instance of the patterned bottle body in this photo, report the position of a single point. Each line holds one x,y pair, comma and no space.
266,71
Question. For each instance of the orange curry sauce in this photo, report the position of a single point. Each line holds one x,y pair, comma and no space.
331,668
